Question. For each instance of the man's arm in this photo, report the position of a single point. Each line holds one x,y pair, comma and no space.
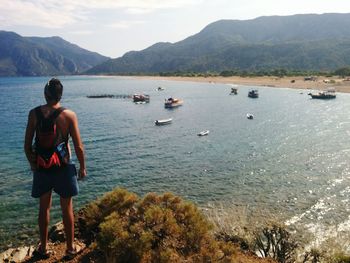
28,140
78,145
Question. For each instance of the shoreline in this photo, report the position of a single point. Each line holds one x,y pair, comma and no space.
321,83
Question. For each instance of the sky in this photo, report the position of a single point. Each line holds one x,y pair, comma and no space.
114,27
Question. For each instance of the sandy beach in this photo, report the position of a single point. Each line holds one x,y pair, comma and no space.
320,83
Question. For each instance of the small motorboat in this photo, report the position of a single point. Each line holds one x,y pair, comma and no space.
163,122
172,103
253,93
140,98
250,116
160,88
203,133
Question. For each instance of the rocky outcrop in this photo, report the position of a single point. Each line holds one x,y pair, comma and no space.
16,254
56,235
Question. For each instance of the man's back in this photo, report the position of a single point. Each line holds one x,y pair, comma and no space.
64,121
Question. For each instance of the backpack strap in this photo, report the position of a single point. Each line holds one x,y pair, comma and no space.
39,114
57,112
53,115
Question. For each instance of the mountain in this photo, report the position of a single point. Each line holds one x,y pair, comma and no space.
36,56
298,42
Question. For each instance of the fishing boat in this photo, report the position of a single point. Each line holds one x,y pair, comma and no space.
140,98
163,122
253,93
250,116
172,103
203,133
324,95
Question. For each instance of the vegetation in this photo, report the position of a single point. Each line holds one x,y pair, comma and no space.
156,228
275,242
165,228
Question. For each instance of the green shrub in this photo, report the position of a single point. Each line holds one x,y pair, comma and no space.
157,228
120,201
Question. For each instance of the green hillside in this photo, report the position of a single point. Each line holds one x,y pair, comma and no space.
298,42
34,56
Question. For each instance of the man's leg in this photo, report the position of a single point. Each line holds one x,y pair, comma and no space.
44,218
68,220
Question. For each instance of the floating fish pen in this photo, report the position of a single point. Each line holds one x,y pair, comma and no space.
116,96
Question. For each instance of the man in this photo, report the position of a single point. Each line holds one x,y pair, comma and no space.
62,180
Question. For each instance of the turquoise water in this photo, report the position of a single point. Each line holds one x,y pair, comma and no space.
293,157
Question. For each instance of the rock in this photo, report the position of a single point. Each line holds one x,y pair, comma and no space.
16,254
6,254
56,233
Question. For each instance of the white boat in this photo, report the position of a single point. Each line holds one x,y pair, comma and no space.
163,122
203,133
250,116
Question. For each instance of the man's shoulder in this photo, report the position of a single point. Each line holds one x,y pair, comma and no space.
32,112
68,113
34,109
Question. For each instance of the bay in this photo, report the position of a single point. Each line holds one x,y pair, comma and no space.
291,158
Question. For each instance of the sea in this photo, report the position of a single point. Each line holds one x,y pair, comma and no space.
292,158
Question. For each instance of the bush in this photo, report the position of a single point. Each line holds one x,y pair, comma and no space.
275,241
157,228
340,258
120,201
312,256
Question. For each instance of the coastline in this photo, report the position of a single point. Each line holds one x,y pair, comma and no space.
321,83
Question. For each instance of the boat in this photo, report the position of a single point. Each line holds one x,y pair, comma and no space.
253,93
172,103
250,116
160,88
324,95
203,133
140,98
163,122
233,91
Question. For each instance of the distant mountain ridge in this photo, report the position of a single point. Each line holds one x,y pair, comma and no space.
298,42
38,56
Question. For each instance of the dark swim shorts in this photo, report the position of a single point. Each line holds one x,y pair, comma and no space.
63,181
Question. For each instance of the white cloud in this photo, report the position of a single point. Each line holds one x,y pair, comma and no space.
59,13
17,12
82,32
137,4
126,24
